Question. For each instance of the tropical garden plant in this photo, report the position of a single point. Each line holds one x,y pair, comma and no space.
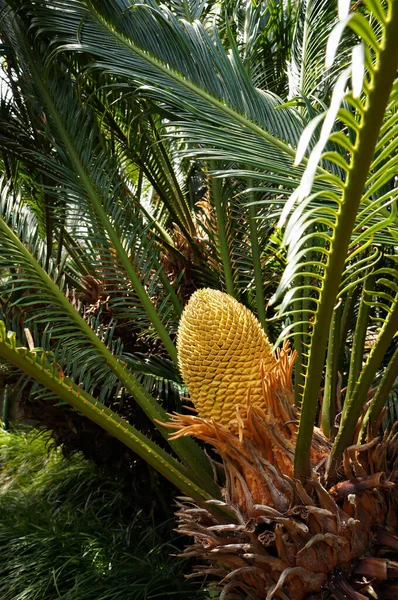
69,532
152,150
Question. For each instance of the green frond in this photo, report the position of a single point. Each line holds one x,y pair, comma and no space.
65,318
334,222
261,32
89,178
306,70
136,129
48,374
185,71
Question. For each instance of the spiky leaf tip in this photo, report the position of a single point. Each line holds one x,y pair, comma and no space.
221,349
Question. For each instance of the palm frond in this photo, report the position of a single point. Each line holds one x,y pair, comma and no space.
93,182
185,70
48,374
327,244
66,320
135,128
315,20
190,10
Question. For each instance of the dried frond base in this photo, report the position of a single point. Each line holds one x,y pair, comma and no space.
289,540
306,541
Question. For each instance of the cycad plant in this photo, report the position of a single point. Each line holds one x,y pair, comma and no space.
147,155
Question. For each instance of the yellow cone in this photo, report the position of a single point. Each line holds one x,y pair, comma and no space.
221,347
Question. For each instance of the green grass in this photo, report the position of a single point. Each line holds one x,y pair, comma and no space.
66,532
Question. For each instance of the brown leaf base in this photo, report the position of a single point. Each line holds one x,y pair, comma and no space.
307,542
292,540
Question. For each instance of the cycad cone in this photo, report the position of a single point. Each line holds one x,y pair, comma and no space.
221,350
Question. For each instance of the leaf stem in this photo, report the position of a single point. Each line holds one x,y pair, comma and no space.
354,403
380,398
258,276
332,367
216,189
358,343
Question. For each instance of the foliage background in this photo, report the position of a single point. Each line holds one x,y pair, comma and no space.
68,532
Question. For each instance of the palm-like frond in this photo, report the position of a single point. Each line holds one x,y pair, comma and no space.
134,127
306,71
190,10
66,320
48,374
329,244
184,69
261,32
98,200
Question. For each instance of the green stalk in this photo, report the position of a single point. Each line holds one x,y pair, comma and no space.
169,289
299,366
96,202
332,366
163,234
186,216
358,344
165,281
6,407
348,311
222,234
49,231
188,451
381,396
353,404
258,276
378,97
163,277
50,377
59,246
